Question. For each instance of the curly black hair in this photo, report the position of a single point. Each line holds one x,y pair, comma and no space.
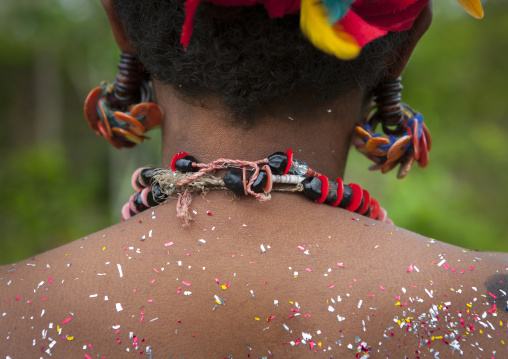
255,64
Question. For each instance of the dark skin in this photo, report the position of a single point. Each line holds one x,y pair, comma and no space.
299,279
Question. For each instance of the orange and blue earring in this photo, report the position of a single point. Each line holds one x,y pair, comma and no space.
122,112
406,136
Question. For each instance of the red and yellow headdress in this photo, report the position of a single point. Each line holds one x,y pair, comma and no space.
338,27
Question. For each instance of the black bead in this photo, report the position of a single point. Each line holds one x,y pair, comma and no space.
138,203
233,181
155,196
184,164
346,197
312,187
260,182
278,162
332,191
145,177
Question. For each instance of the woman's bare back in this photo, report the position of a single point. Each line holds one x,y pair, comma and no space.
286,278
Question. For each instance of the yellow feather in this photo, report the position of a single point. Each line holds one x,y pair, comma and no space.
473,7
331,39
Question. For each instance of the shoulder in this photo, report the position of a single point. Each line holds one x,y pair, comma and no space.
326,282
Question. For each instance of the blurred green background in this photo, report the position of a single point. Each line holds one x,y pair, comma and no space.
59,181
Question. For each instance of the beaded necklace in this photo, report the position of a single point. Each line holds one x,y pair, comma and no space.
279,172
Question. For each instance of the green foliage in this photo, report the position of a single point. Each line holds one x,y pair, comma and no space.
45,203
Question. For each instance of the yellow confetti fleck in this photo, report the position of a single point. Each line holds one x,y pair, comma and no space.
481,331
70,338
469,305
103,248
502,342
257,319
224,286
398,303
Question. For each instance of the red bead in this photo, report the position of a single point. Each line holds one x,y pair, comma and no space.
290,162
357,197
340,192
366,202
374,208
176,158
325,185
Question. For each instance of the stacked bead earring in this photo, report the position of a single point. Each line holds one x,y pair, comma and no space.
122,112
406,137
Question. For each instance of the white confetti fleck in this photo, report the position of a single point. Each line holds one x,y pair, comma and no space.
360,303
93,295
119,307
441,263
263,250
187,292
331,309
120,270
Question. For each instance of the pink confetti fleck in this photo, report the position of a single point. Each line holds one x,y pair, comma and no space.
311,344
471,268
86,356
294,310
217,280
446,266
331,286
155,269
186,283
340,264
410,268
153,280
492,295
90,345
208,213
141,318
43,299
397,297
179,290
118,340
308,269
50,280
188,254
118,331
168,244
301,247
67,320
382,288
17,297
149,300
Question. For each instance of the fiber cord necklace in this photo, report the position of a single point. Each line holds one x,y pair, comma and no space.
280,172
